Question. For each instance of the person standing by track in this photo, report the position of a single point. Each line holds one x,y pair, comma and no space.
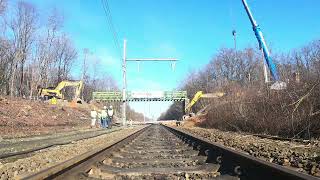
110,113
93,117
104,117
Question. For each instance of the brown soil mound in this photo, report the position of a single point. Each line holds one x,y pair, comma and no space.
20,117
195,120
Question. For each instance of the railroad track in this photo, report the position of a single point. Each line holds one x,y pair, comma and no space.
161,152
8,154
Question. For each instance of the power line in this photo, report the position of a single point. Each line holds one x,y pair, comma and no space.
231,14
109,19
111,27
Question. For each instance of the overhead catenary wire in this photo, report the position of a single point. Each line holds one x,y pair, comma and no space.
111,26
232,17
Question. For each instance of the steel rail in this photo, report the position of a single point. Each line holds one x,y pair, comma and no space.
231,162
237,163
85,158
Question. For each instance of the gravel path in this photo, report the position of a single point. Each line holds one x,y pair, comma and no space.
302,157
16,145
54,155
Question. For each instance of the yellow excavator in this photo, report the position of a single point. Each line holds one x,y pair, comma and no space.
48,93
199,95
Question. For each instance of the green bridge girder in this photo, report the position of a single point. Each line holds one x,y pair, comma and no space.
117,96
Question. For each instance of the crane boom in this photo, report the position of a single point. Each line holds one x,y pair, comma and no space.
262,43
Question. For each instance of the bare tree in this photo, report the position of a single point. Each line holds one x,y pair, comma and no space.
32,56
5,55
249,105
3,6
54,54
65,54
22,26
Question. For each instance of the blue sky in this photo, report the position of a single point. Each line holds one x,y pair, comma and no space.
191,30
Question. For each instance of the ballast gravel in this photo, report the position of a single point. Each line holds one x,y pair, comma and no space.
51,156
303,157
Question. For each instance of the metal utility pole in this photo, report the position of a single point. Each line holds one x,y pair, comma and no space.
85,53
124,94
144,112
124,69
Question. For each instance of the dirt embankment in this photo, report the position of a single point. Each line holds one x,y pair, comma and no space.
21,117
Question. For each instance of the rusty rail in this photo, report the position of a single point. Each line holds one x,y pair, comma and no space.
237,163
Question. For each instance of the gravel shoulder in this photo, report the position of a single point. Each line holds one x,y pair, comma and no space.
16,145
301,157
51,156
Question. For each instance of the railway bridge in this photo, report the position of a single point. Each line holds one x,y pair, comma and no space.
136,96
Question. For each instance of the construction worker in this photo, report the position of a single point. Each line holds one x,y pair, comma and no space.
110,115
99,117
104,116
93,117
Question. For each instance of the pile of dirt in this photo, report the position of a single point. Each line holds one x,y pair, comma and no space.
194,121
21,117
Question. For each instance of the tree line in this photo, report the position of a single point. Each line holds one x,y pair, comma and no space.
249,104
38,54
32,54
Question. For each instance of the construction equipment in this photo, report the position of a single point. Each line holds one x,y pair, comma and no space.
199,95
278,85
48,93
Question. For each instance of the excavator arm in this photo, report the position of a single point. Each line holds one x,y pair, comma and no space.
77,84
196,97
56,92
200,95
78,90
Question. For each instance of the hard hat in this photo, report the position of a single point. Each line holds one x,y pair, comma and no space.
110,107
104,107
